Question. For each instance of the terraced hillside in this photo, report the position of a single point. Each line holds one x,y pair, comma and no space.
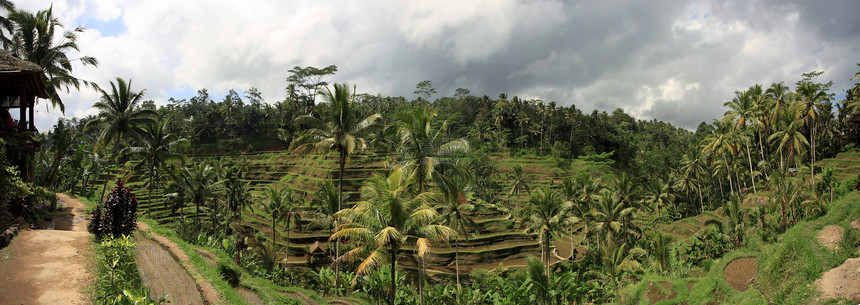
499,241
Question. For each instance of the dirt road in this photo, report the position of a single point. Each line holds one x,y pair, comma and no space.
49,266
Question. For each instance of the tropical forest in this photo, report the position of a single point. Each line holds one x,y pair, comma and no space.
334,195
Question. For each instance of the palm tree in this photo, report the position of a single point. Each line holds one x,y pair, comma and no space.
519,183
545,215
811,95
616,259
337,130
789,139
157,146
733,223
742,109
238,194
292,215
197,184
6,24
388,216
119,114
275,201
33,40
325,207
692,171
454,212
659,194
612,216
721,144
423,148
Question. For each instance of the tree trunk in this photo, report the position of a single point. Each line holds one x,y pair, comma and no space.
812,162
752,176
149,208
393,276
273,236
457,265
546,253
729,175
287,247
342,166
421,280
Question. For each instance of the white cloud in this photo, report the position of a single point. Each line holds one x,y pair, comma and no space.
652,58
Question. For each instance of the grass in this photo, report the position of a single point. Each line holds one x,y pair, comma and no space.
786,269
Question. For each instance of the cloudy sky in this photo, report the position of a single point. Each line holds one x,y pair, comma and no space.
676,61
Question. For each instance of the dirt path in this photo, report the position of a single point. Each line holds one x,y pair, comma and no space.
49,266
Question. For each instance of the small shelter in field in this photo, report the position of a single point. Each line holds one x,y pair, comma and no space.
317,250
21,82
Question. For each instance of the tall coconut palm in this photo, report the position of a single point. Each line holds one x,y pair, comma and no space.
455,209
424,149
691,176
336,130
721,144
811,96
33,40
789,139
120,115
156,147
546,214
742,110
388,216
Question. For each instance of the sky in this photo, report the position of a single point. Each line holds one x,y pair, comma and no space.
676,61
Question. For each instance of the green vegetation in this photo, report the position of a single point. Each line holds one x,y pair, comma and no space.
463,192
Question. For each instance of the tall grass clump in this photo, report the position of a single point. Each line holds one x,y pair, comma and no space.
786,268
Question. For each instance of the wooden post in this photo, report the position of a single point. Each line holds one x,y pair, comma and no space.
22,96
32,103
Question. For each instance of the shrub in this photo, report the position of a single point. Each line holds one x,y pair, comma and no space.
229,275
117,216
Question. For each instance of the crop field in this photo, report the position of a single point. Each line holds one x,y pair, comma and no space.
499,241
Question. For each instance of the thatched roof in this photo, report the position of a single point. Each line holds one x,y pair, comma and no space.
317,248
9,63
17,74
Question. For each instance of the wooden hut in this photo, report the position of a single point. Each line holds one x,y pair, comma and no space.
21,82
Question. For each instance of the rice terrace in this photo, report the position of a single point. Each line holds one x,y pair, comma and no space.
604,168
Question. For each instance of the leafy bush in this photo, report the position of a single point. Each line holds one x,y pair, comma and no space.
706,245
118,216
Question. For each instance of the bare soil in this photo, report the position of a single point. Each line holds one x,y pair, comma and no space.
830,237
740,273
842,281
654,294
49,266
